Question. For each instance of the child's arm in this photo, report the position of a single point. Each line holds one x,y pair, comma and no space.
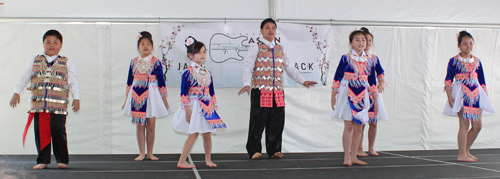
480,77
339,74
130,80
293,72
248,65
162,86
372,80
380,75
74,86
212,92
21,84
185,101
448,82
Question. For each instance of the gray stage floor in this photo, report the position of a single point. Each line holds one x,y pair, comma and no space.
390,164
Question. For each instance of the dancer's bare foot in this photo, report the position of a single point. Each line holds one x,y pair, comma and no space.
210,164
152,157
471,156
140,157
347,161
185,165
277,155
362,154
465,159
40,166
256,155
61,165
373,152
358,162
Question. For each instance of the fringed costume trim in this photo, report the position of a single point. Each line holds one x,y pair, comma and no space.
357,100
138,101
472,113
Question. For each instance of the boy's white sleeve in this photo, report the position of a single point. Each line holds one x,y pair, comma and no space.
249,64
291,70
25,77
74,87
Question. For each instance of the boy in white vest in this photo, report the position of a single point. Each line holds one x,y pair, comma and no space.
262,77
52,77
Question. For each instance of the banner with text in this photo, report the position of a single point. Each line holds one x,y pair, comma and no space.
227,46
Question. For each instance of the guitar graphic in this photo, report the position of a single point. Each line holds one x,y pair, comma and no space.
224,48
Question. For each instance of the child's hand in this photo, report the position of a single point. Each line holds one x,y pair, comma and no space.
76,105
123,107
451,101
15,100
188,114
381,87
375,108
245,88
334,99
309,83
165,102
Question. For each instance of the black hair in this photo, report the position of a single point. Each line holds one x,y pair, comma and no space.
366,31
145,35
52,32
463,34
194,47
354,33
265,21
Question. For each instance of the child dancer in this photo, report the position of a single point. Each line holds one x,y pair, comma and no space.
52,77
372,131
198,103
262,71
146,95
355,82
467,96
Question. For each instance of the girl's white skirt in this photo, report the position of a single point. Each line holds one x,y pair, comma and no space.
381,115
155,106
343,109
198,122
457,94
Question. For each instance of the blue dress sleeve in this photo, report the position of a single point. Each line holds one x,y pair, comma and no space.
379,69
185,85
161,80
339,74
130,78
450,74
212,92
372,80
480,77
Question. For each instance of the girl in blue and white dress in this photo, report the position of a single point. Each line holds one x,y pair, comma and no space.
198,103
381,115
146,95
354,82
467,96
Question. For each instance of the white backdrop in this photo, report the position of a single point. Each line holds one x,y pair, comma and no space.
227,46
414,58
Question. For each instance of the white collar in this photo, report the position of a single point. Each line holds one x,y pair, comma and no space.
357,58
50,58
270,44
147,59
197,67
466,60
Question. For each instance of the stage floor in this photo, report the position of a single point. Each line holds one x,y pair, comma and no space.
390,164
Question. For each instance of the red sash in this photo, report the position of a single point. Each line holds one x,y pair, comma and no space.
43,128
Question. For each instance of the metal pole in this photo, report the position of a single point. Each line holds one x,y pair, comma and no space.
156,20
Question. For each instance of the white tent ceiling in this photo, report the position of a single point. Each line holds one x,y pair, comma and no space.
478,12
